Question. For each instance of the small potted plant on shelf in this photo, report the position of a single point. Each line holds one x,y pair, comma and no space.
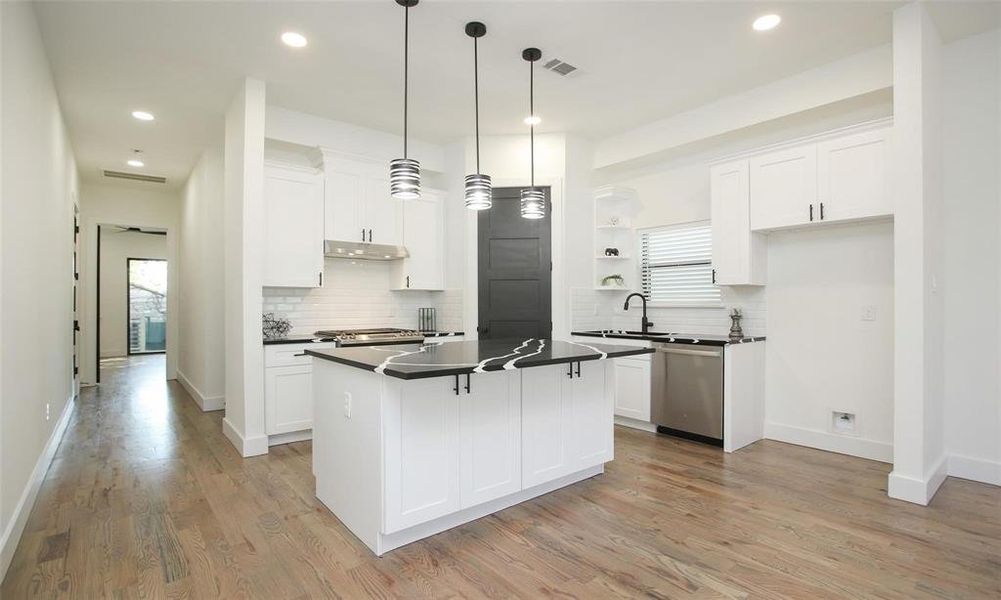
614,280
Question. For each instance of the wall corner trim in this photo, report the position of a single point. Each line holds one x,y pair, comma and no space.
206,403
247,447
19,518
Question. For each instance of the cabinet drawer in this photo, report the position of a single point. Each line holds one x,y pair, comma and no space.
288,355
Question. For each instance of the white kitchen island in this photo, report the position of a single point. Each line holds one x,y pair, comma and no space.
411,440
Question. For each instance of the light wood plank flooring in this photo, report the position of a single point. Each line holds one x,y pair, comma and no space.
147,499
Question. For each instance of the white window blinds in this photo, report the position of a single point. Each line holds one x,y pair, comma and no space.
676,265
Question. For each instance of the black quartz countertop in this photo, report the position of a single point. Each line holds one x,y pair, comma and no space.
312,339
437,358
670,338
297,339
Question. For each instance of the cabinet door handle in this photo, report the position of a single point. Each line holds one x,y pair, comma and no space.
321,278
300,354
363,234
370,235
821,211
578,369
570,370
811,213
714,276
408,281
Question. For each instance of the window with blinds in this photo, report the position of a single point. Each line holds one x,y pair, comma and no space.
676,265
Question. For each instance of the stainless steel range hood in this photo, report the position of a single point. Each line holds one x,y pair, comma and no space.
363,250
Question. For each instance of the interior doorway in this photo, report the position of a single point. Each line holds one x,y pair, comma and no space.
131,294
515,270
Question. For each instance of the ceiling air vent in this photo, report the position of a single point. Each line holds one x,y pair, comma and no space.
558,66
135,176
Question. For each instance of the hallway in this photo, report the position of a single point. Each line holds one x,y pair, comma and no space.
146,498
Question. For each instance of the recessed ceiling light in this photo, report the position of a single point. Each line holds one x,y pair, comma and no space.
533,120
766,22
296,40
142,115
135,162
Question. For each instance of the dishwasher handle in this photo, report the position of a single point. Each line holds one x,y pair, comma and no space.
685,352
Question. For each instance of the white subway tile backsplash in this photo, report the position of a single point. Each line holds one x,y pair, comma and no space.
592,309
357,295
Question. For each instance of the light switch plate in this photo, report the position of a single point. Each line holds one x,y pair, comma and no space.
868,313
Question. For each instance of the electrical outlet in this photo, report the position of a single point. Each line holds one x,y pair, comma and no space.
842,422
868,313
47,408
347,405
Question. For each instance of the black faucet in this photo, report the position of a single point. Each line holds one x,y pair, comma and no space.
646,322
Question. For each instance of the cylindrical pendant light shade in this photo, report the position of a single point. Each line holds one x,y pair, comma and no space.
405,178
533,203
479,192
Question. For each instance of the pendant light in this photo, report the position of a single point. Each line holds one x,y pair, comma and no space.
479,190
533,199
405,173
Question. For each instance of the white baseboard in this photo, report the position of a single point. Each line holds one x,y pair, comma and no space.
825,440
206,403
19,518
975,469
635,424
290,437
918,491
247,447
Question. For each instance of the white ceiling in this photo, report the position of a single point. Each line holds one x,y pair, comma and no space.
638,61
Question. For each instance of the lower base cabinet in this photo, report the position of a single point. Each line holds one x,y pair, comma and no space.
288,393
566,423
512,430
632,388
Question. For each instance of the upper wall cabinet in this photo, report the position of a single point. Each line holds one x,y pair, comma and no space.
424,238
853,176
358,206
838,178
293,227
783,187
738,255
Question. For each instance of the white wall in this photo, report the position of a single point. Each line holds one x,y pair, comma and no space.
821,356
243,203
919,461
972,163
201,333
117,247
133,205
38,186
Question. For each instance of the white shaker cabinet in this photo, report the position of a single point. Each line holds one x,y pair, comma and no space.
783,188
357,204
293,227
566,424
853,176
423,236
490,436
421,433
632,388
288,387
739,256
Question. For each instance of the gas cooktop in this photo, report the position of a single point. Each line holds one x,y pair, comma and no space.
372,337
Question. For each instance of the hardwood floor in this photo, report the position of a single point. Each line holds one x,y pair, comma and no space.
147,499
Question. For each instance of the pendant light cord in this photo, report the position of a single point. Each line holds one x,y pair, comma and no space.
406,67
531,116
476,95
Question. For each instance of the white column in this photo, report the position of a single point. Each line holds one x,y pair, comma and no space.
919,461
243,200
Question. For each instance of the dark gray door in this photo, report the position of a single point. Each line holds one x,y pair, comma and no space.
515,270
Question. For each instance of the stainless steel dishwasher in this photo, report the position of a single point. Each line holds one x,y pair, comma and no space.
687,391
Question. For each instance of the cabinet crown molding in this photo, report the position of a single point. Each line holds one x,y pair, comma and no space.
882,123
